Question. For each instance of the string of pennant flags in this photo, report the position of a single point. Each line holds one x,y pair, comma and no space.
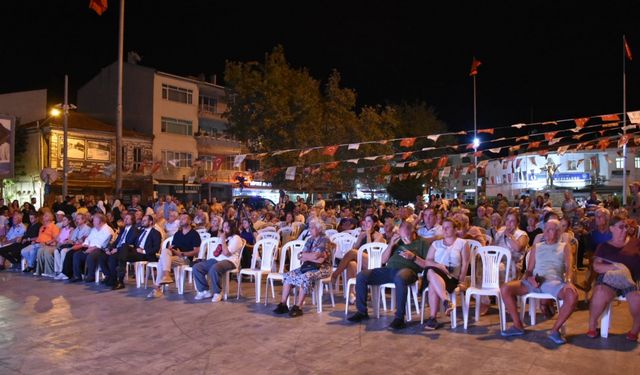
550,138
408,142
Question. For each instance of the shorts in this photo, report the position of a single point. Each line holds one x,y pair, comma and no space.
552,287
618,292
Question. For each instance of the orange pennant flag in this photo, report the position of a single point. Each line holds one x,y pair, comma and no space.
603,143
549,136
488,131
406,155
581,121
525,138
98,6
408,142
474,67
624,140
533,145
330,150
610,118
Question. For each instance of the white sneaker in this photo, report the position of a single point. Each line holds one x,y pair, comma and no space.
352,298
62,276
47,275
216,297
202,295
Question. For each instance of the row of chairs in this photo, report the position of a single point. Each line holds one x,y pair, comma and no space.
264,253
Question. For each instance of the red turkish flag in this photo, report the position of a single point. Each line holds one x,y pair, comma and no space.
549,136
331,165
330,150
408,142
99,6
442,161
627,50
610,118
406,155
533,145
474,67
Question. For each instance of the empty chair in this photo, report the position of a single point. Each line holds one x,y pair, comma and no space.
491,257
265,250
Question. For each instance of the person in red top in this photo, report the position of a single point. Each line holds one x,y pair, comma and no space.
46,236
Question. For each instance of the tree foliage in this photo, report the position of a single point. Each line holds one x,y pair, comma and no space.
274,106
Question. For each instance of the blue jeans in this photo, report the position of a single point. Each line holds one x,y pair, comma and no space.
378,276
215,269
29,253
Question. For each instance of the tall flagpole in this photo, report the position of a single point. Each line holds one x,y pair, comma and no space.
119,103
624,120
475,136
65,138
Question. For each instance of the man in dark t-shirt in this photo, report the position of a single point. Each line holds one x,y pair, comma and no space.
184,246
400,269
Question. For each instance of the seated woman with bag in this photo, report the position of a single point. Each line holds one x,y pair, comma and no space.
316,265
617,263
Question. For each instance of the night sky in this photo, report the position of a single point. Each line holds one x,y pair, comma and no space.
541,60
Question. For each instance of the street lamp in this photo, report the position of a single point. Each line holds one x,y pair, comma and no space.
65,111
54,112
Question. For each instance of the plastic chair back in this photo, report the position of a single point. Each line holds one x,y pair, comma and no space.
204,235
296,248
343,243
330,232
354,232
269,247
491,257
268,235
166,243
303,235
210,245
285,234
267,229
374,251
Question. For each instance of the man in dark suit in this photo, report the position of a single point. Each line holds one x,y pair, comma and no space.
108,259
145,248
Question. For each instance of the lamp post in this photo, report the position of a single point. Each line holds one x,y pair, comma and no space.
65,107
476,144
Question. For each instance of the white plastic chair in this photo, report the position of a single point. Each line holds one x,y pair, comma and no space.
491,257
374,251
293,248
285,234
330,232
204,236
207,247
227,275
303,235
535,301
269,247
454,299
353,232
150,266
267,229
268,235
605,322
318,288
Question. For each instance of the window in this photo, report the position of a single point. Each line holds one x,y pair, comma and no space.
571,165
175,126
177,94
228,163
637,162
124,158
208,104
137,158
176,159
619,163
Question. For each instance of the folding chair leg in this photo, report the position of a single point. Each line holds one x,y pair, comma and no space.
605,322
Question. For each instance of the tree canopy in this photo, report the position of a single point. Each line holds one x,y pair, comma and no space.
275,106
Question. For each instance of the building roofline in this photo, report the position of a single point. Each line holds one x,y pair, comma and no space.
196,81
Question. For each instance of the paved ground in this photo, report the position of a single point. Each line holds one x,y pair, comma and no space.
49,327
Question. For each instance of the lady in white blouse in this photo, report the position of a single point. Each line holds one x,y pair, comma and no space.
512,238
225,258
446,267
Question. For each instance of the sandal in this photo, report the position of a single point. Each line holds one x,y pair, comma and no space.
592,334
631,336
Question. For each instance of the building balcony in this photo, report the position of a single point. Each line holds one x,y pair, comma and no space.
209,112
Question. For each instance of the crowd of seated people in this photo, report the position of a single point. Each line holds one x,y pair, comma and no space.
429,243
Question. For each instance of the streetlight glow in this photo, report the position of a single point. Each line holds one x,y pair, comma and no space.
476,143
55,112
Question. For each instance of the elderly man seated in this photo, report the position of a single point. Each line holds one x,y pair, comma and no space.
548,271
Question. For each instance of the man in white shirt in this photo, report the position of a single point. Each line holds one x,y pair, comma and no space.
320,203
97,241
430,229
172,225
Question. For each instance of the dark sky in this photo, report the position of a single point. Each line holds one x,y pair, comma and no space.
542,60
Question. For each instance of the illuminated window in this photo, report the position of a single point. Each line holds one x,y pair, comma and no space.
619,163
637,162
